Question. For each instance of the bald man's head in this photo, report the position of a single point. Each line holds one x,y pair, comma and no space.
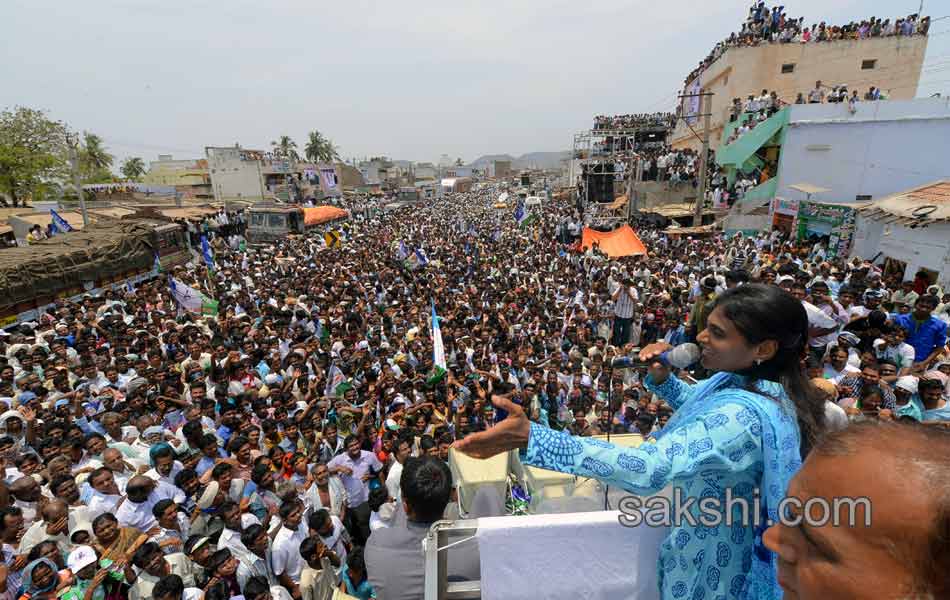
874,500
54,510
138,488
26,489
920,456
111,454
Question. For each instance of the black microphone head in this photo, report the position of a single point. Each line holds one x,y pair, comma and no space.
684,355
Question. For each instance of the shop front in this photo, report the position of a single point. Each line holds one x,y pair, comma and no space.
832,223
783,214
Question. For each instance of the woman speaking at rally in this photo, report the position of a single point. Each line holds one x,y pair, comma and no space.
746,429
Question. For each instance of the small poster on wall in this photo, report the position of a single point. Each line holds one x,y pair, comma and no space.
329,178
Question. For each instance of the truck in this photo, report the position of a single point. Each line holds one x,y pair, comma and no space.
107,255
268,223
271,222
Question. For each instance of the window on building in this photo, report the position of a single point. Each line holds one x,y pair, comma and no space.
788,68
870,63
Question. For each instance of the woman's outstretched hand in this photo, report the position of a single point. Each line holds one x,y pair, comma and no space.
510,434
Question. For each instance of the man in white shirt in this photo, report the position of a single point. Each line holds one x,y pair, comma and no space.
286,560
104,496
355,468
331,532
165,467
838,366
122,471
54,526
141,495
254,556
196,356
893,347
152,565
624,299
26,493
402,450
821,296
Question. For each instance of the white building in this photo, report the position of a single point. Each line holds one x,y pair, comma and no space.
908,232
464,171
375,172
845,153
879,149
425,171
236,174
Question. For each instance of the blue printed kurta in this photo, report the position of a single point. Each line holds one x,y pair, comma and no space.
722,436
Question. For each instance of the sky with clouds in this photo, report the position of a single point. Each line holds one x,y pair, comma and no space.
408,79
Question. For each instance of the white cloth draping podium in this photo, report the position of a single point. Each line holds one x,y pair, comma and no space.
568,556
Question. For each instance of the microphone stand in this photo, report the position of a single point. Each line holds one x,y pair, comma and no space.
610,391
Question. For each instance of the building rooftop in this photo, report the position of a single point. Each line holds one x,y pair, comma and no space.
74,218
186,213
115,212
918,207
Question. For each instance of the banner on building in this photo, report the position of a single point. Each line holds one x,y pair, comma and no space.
692,103
329,178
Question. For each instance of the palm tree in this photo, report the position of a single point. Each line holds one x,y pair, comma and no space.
320,149
458,162
94,159
286,148
133,168
94,153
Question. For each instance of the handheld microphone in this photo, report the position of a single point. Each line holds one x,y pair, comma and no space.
680,357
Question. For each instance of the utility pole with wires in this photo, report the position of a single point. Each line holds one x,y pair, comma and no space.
73,144
705,110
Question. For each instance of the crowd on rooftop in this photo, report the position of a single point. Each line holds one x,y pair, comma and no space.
148,452
633,121
765,25
757,108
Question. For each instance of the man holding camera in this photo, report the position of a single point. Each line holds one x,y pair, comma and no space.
625,300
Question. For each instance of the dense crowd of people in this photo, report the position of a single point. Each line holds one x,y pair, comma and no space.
666,164
756,108
151,452
766,25
619,122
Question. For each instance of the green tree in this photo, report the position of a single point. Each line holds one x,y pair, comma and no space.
286,148
320,148
32,154
94,160
133,168
458,162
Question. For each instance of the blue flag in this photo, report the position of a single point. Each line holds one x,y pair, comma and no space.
421,257
206,252
403,251
59,223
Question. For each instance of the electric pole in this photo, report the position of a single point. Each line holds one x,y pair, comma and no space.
77,180
705,108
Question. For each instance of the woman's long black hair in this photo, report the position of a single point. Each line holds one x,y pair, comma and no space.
765,312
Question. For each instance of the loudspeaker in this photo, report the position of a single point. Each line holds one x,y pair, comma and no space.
600,183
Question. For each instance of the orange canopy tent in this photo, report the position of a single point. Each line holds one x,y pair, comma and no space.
322,214
616,243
